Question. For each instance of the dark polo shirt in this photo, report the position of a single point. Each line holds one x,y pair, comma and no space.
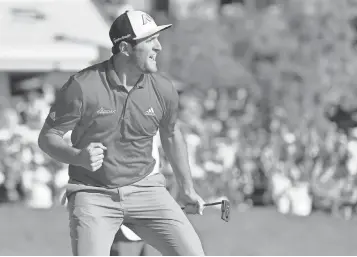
95,105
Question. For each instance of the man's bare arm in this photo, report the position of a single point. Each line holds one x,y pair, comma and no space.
55,146
175,149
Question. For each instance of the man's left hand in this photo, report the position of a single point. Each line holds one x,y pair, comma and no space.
193,203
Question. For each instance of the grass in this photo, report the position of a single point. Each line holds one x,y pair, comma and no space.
259,231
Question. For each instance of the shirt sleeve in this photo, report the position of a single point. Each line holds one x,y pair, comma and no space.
167,124
67,108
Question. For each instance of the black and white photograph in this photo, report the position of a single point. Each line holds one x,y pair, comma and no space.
178,127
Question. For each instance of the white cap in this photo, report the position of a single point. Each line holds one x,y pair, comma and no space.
134,25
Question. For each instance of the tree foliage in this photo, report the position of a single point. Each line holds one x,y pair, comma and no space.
298,55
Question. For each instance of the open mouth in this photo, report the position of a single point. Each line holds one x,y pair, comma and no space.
153,57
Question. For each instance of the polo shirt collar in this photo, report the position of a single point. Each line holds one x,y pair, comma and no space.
113,78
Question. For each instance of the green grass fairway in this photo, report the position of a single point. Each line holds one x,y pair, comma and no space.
259,231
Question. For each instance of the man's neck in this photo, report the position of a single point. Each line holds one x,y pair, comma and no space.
127,73
128,81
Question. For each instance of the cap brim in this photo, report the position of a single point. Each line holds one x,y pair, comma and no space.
153,32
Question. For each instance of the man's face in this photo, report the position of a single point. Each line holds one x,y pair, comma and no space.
144,54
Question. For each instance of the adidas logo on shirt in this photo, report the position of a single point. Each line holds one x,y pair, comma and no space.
150,112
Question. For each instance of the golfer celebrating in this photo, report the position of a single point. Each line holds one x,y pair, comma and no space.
114,109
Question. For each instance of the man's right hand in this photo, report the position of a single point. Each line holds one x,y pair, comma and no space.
92,156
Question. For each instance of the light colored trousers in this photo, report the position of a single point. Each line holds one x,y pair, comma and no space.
146,207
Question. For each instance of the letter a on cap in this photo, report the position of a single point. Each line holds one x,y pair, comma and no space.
146,18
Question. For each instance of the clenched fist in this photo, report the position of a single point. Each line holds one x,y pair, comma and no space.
92,156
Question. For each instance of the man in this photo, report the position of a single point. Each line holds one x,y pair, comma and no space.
114,109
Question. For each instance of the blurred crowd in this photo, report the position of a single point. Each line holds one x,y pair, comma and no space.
297,169
26,173
231,156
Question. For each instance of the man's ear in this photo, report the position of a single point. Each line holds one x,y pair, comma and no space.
125,48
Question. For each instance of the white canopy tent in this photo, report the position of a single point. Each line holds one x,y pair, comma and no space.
46,35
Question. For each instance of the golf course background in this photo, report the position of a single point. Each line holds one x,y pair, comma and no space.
257,231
